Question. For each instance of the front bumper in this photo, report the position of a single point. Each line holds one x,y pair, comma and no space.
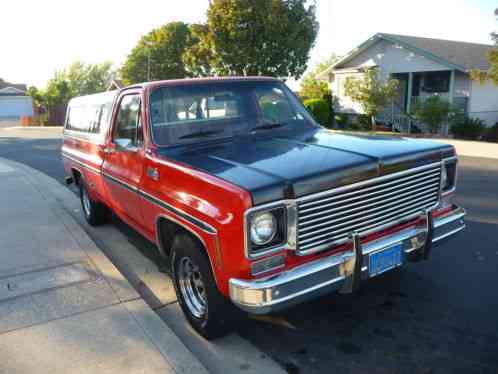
341,272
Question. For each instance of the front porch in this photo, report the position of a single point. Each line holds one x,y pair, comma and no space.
414,89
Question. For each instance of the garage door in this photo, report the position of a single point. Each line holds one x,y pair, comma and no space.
15,106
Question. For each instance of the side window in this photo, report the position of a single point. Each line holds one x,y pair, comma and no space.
104,118
78,119
129,124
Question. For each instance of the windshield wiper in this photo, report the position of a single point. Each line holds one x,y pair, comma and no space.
201,134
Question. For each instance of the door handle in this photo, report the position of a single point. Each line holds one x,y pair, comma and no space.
153,173
109,150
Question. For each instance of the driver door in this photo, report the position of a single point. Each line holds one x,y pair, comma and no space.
123,163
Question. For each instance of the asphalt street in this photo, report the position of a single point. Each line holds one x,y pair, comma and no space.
439,316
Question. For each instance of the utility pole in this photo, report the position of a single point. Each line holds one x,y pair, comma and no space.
148,65
148,44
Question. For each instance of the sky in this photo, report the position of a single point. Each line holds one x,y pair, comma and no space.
38,37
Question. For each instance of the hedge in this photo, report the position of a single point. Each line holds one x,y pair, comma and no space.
320,110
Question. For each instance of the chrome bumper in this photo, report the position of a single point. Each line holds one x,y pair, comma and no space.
342,272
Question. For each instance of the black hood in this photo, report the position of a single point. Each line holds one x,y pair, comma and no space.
289,164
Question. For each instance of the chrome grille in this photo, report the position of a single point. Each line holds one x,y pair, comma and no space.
328,218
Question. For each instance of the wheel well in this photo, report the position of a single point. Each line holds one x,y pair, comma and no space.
166,232
76,176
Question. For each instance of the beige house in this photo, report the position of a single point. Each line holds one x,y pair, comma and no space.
424,67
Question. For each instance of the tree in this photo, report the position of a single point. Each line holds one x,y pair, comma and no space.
433,112
311,87
372,92
255,37
492,73
36,95
77,80
87,79
158,55
198,55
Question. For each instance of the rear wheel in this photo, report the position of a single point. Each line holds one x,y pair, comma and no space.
207,310
95,213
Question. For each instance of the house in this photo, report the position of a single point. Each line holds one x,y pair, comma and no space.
14,102
423,67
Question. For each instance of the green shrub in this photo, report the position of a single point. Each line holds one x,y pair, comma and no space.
320,110
433,112
468,128
341,120
491,134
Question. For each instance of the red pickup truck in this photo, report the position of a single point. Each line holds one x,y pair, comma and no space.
256,206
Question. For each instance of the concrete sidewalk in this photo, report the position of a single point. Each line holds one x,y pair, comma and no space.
472,148
64,307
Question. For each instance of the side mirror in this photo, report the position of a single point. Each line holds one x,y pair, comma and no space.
125,144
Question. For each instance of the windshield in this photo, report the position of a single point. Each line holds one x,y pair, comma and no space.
185,113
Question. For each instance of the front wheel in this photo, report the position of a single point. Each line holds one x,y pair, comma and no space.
95,213
207,310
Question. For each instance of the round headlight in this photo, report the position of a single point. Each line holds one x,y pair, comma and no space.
263,228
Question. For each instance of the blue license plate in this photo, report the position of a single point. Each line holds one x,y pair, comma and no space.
385,260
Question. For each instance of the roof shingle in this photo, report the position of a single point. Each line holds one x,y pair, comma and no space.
467,55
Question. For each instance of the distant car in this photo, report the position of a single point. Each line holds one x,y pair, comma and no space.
254,204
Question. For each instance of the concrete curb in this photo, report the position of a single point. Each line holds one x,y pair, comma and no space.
160,335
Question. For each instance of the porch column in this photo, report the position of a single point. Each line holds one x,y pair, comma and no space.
409,93
451,97
451,91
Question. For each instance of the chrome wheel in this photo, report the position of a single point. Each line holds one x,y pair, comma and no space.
192,287
87,204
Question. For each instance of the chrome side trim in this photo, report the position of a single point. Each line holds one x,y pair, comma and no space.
187,217
93,138
162,204
119,182
80,163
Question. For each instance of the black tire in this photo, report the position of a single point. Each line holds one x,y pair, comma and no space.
219,315
95,213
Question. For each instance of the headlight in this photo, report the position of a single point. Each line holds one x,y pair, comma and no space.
263,228
448,176
269,229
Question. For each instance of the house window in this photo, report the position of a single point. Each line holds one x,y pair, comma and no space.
437,82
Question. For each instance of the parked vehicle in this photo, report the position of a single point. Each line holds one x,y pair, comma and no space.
256,206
